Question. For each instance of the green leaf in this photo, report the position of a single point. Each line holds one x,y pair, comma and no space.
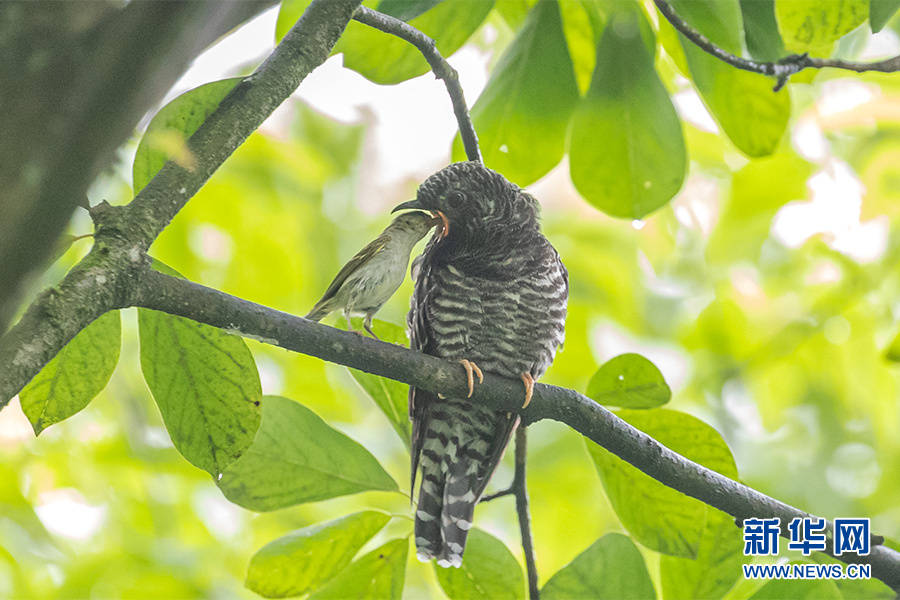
378,575
612,567
406,9
73,377
205,384
716,568
630,381
798,589
657,516
761,31
880,12
387,59
301,561
719,21
752,116
522,115
392,397
641,163
583,25
297,457
489,571
809,25
169,130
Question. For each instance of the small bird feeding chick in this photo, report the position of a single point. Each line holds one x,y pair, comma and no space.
371,277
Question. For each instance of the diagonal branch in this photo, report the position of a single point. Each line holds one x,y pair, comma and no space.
441,68
100,281
782,69
180,297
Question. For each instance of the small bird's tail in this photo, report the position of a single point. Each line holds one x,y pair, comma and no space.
319,311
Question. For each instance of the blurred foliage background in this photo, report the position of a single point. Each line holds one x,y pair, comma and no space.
766,292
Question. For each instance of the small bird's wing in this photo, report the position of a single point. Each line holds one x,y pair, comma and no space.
360,258
419,339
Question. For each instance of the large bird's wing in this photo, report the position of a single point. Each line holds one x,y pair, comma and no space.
360,258
420,338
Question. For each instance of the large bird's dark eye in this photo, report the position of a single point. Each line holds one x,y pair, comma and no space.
456,197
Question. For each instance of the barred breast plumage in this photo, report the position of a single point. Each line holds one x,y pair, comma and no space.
490,289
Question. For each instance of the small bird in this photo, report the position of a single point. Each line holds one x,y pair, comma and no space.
366,282
491,292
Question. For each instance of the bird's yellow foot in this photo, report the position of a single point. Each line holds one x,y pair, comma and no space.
528,380
472,370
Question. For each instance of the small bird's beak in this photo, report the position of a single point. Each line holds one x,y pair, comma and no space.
409,205
438,215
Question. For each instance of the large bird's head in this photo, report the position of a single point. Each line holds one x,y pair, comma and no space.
474,203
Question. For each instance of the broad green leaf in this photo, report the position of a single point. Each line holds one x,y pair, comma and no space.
300,562
167,134
379,575
522,115
743,103
641,162
583,26
880,12
297,457
809,25
392,397
630,381
73,377
719,20
406,9
657,516
514,12
611,568
205,384
798,589
752,115
387,59
761,31
489,571
716,568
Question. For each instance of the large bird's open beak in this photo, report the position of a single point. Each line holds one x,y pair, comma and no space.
416,205
409,205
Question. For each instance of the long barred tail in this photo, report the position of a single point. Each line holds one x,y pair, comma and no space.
455,452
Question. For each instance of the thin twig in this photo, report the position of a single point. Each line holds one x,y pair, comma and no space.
782,69
441,68
521,491
507,492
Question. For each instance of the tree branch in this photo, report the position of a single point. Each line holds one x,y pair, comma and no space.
782,69
520,489
102,280
441,68
75,80
180,297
